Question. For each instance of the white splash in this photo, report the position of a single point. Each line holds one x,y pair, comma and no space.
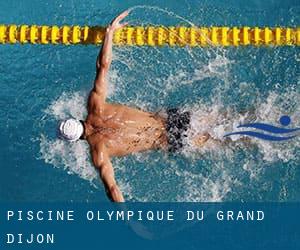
68,105
72,157
151,181
210,189
217,121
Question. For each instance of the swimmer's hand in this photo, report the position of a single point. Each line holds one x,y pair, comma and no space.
115,24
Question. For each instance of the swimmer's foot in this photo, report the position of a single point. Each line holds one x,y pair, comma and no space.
200,140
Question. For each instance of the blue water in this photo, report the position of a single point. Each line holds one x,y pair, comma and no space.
42,84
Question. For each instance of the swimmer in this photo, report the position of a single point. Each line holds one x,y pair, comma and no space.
114,130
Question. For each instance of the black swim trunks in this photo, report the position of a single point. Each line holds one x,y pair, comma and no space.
177,125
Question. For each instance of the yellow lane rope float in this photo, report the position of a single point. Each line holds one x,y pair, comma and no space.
152,36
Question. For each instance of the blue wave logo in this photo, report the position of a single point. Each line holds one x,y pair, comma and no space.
279,133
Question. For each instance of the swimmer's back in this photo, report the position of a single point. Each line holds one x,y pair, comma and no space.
126,130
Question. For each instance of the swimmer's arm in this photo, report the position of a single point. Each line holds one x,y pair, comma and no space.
103,164
102,65
105,56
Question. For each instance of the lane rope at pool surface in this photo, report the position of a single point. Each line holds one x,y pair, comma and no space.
192,36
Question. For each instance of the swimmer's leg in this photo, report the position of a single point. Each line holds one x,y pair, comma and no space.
200,140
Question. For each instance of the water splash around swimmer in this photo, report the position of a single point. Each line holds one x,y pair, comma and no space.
203,86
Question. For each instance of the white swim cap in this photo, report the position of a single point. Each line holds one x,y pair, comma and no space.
70,130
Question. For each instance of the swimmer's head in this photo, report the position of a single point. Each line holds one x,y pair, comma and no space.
70,130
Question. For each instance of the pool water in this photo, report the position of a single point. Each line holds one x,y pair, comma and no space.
43,84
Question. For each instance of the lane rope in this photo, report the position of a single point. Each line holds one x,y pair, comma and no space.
152,35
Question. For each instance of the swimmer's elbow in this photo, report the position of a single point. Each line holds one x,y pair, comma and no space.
105,63
98,163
